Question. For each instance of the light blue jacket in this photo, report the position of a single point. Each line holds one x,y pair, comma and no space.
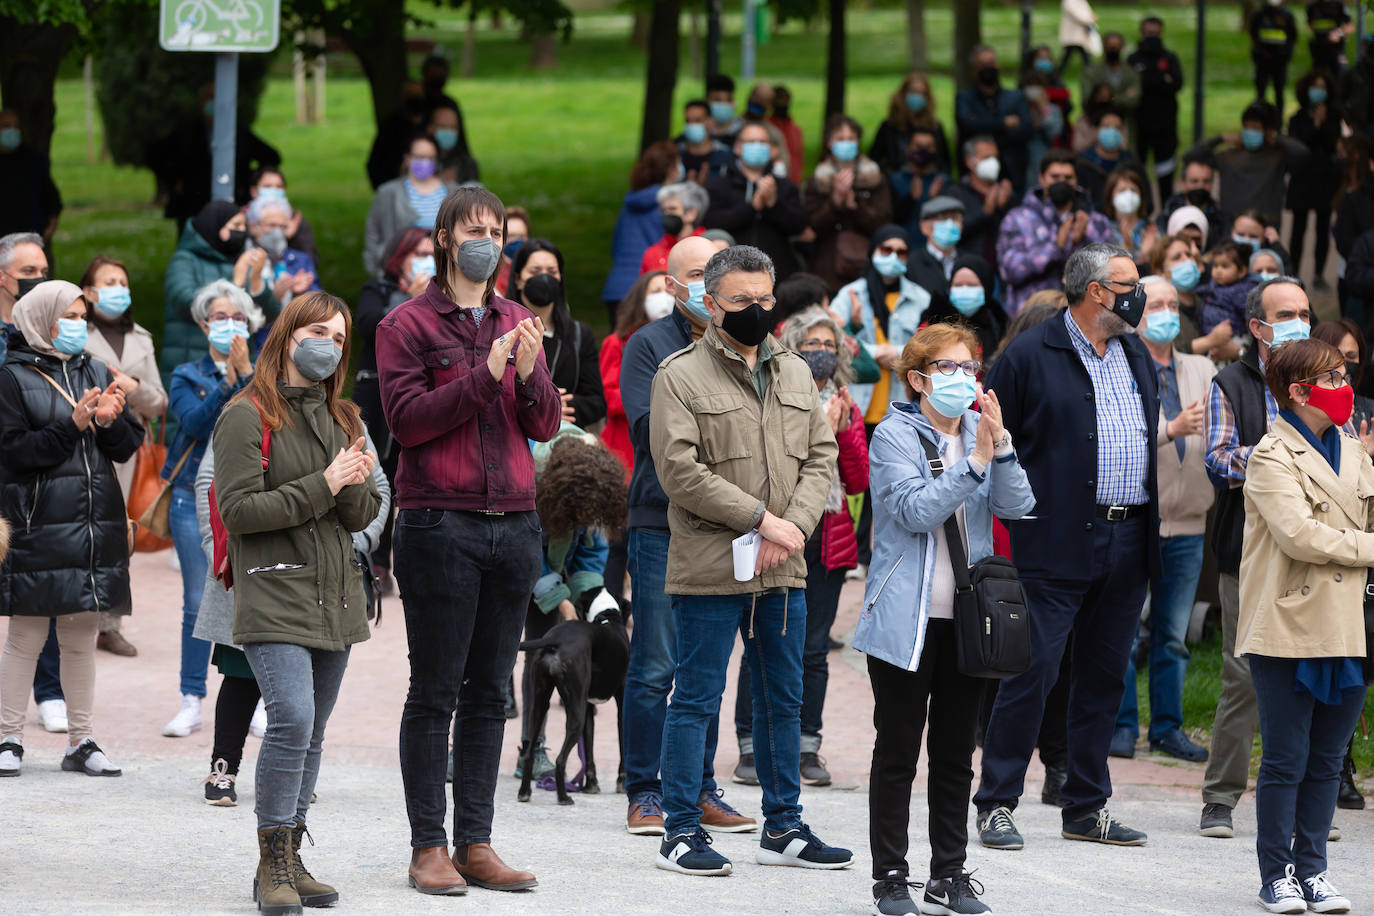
909,505
912,302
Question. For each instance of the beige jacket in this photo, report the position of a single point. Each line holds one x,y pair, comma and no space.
1307,547
1185,493
1078,27
138,360
722,455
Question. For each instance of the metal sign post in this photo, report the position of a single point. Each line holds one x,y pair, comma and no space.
224,28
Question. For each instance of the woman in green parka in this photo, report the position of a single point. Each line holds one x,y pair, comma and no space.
298,590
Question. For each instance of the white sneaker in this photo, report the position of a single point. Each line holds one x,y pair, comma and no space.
11,754
258,726
53,714
186,720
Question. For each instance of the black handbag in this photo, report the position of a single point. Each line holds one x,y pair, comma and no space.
991,620
1369,626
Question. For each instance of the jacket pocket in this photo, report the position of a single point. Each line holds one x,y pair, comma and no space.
442,364
868,607
723,424
420,518
796,421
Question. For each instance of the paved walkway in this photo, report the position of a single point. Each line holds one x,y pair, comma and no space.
146,842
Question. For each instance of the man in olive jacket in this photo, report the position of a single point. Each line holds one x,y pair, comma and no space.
741,446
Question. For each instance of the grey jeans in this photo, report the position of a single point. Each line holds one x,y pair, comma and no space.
1233,731
299,687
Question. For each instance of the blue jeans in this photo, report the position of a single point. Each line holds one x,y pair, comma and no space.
706,626
653,661
1171,606
47,675
299,687
1303,745
195,653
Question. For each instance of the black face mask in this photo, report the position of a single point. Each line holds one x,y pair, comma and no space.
922,157
1060,193
1152,44
754,110
989,76
672,223
541,290
231,247
1199,197
26,284
749,325
1130,306
780,111
1113,56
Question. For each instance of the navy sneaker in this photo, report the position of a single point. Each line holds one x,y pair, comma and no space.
1101,827
956,895
691,854
1285,895
892,896
1322,896
801,848
1176,744
1123,743
997,829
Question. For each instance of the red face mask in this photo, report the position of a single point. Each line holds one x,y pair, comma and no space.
1337,403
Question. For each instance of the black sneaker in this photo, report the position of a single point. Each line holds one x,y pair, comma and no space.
219,786
1101,827
954,896
892,896
744,771
1216,822
691,854
997,830
813,771
88,758
801,848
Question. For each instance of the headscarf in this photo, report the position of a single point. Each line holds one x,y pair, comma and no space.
1189,216
38,310
210,220
877,291
980,267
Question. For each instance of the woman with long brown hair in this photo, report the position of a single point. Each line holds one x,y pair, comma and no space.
910,107
292,481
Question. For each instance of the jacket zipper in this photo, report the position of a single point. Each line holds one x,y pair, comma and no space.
90,499
33,507
883,585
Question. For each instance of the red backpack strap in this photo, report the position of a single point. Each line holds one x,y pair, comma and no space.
266,436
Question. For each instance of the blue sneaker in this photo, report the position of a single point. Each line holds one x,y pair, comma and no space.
1285,895
801,848
1322,896
691,854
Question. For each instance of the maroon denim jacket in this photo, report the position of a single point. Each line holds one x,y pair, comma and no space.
464,436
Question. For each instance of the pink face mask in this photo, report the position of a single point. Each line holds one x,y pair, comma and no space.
421,169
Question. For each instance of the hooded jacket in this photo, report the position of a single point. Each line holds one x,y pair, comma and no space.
1028,249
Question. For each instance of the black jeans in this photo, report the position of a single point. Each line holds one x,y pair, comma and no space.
47,683
1269,72
901,699
465,579
234,708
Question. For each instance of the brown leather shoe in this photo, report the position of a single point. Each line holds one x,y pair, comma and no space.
480,865
718,817
115,644
432,873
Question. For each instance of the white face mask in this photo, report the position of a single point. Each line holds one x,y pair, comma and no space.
658,305
1126,202
988,169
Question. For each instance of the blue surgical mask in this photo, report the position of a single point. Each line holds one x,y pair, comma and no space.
916,102
1109,138
421,264
694,133
71,336
951,395
113,301
1185,276
888,265
1044,65
272,193
947,232
695,305
1243,240
223,332
1161,327
446,138
722,112
1266,275
1316,95
756,154
10,138
1252,138
967,299
512,248
845,150
1288,331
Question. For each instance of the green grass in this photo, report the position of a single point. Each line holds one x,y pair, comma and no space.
561,143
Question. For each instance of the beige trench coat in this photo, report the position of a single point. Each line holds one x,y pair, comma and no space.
140,362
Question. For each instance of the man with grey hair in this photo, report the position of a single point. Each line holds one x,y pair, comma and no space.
23,265
1079,397
745,455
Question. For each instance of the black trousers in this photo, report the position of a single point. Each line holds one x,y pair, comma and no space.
1275,72
1321,237
902,702
234,707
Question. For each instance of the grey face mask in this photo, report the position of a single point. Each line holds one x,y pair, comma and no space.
477,259
316,358
274,243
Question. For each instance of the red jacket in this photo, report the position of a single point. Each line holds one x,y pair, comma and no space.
839,546
464,435
616,434
793,135
656,255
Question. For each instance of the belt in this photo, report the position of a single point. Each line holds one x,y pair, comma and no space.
1121,513
364,375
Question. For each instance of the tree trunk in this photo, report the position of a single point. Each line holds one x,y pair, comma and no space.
834,61
694,42
639,32
379,43
967,36
916,35
661,77
469,64
544,52
29,57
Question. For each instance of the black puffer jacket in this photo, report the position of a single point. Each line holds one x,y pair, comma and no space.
69,551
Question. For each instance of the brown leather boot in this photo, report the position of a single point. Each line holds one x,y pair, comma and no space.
273,890
431,872
480,865
312,892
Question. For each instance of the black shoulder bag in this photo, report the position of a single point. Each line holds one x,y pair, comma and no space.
991,620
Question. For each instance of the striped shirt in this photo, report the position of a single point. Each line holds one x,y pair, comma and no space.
1123,446
426,206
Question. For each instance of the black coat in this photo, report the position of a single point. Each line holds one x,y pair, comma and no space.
770,230
929,275
69,550
1312,186
573,355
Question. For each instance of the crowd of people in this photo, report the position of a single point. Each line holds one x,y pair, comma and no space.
1022,344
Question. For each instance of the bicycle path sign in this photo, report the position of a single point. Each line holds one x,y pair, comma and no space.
219,25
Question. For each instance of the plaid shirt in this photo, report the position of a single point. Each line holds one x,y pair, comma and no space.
1123,447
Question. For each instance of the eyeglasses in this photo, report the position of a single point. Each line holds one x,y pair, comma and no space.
237,318
1134,285
1333,378
901,253
766,302
815,343
949,367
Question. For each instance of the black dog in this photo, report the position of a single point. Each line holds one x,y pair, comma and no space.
586,662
